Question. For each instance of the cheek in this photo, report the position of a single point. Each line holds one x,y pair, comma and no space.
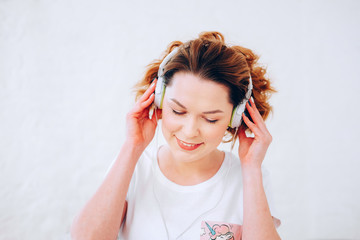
169,121
216,134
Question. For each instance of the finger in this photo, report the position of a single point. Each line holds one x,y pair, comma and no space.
262,121
261,135
147,102
141,107
253,105
253,127
252,113
148,91
146,105
255,115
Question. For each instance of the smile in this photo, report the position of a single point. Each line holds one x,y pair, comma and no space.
187,146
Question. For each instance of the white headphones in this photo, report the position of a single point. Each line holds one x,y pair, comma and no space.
236,117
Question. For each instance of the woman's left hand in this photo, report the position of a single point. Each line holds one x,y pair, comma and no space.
252,150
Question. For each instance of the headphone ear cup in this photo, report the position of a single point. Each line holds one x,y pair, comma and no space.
159,92
236,117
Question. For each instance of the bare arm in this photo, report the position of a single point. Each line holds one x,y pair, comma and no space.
102,216
257,223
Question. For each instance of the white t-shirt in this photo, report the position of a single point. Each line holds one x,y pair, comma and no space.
161,209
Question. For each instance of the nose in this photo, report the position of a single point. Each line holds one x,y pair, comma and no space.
190,127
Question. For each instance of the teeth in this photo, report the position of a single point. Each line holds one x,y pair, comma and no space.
188,145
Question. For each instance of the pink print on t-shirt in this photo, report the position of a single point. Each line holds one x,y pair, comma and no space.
211,230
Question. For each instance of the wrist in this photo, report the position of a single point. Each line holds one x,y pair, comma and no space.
250,171
250,166
133,149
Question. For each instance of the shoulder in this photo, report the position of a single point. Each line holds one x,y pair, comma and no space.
146,160
235,166
233,161
142,173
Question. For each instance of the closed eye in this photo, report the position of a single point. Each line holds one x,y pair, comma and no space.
178,113
182,113
211,121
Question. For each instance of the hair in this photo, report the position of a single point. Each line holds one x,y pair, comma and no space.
208,57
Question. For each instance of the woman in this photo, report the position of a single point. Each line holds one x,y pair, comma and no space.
188,189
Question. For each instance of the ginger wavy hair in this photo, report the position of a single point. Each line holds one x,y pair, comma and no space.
210,58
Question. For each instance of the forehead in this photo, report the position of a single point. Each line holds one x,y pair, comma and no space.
190,89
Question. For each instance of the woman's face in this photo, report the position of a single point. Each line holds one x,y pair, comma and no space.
196,113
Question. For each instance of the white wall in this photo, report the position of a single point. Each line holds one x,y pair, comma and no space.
66,69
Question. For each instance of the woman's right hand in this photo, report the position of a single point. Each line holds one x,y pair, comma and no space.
108,204
141,129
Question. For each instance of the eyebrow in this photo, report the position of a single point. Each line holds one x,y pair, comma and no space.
207,112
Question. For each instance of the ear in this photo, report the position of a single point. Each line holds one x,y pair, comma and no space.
159,113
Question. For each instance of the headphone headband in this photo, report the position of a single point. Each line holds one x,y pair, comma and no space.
166,60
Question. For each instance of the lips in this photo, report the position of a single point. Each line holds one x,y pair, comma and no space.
187,146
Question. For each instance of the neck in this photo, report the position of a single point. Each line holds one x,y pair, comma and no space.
189,172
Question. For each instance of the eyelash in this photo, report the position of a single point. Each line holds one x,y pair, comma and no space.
182,113
178,113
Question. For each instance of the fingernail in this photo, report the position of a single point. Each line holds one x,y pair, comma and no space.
252,99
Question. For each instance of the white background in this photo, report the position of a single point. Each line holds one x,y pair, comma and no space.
66,72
